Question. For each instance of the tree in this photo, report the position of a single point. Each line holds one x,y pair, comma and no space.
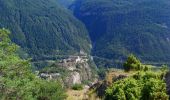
134,64
142,86
17,82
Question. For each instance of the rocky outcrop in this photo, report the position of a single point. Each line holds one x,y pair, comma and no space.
80,70
73,78
77,70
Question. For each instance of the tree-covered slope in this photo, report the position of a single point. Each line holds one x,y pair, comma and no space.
43,28
120,27
66,3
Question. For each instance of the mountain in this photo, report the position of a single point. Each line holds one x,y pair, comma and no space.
66,3
118,28
43,28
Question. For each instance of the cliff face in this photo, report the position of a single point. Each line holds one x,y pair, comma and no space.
72,70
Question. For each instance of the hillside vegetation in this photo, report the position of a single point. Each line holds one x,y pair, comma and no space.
145,83
17,81
66,3
43,28
63,45
140,82
120,27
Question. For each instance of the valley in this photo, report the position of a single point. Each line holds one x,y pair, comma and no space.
84,49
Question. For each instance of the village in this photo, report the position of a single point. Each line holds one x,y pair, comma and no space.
70,63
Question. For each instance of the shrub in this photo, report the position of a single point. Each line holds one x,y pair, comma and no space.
77,87
142,86
134,64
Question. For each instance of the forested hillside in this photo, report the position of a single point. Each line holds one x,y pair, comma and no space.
120,27
43,28
66,3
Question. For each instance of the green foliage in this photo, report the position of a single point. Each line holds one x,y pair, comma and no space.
56,69
50,90
126,89
142,86
134,64
154,89
17,82
77,87
102,72
164,68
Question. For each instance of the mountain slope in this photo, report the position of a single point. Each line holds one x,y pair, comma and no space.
120,27
43,28
66,3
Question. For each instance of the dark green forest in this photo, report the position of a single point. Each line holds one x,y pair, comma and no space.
43,28
118,28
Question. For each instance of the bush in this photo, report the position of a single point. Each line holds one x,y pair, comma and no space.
77,87
142,86
50,90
